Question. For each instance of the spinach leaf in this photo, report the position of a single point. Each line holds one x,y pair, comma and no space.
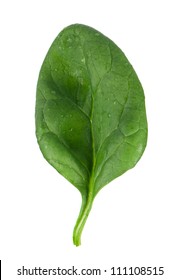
90,113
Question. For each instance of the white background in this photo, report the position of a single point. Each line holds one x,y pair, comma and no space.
135,219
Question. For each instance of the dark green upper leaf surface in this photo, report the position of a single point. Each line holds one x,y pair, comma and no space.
90,109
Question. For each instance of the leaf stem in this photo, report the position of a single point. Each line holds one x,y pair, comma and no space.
87,202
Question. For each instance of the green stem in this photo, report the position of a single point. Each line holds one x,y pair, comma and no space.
83,215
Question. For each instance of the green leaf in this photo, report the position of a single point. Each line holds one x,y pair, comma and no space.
90,113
